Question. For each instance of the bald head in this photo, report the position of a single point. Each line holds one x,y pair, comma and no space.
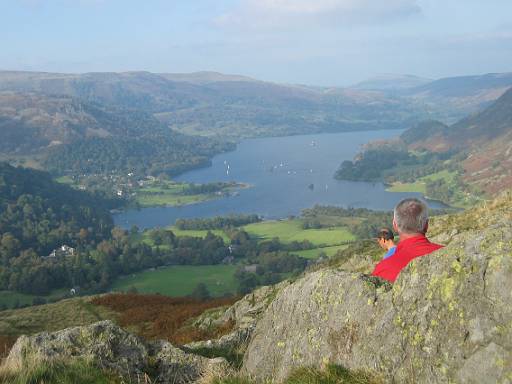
411,216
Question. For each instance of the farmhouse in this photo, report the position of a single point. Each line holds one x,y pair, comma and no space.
63,250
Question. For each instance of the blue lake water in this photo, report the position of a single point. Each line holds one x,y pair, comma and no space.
286,174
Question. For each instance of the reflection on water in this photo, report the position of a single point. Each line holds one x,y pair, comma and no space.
286,175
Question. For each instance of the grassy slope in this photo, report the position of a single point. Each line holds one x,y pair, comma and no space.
420,184
51,317
8,298
181,280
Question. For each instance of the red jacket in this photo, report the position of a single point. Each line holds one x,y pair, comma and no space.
406,251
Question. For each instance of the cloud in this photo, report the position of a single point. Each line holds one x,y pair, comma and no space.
281,14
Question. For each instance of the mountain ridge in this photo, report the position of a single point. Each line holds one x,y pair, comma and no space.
210,103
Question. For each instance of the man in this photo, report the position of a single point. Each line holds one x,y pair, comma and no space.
386,240
410,220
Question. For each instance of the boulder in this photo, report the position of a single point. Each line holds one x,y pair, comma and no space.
447,318
112,348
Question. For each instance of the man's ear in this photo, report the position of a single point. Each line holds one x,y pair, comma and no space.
395,227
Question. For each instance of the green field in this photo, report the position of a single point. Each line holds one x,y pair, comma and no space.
181,280
64,180
420,184
291,230
199,233
145,236
168,193
162,192
313,253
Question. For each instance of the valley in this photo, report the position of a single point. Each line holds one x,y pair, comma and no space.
255,192
151,175
180,194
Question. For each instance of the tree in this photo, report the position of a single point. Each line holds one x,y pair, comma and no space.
201,292
247,282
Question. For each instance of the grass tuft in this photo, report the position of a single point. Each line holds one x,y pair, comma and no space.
58,372
330,374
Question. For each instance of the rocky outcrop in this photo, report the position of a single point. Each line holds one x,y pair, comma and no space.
112,348
448,317
243,315
245,312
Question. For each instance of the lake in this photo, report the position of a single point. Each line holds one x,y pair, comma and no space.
286,175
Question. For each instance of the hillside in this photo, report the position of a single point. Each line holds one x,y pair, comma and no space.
216,104
446,319
38,215
486,137
137,90
465,86
30,122
456,164
71,136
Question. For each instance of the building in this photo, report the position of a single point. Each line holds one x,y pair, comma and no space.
63,250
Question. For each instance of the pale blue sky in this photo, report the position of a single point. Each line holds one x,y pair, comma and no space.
325,42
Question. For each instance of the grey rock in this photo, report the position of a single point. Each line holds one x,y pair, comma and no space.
448,318
243,314
249,309
232,341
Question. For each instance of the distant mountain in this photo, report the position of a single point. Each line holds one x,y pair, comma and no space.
226,105
204,77
389,82
232,106
451,99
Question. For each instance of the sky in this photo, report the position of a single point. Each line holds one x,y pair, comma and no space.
316,42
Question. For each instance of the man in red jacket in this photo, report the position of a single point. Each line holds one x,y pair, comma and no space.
410,220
